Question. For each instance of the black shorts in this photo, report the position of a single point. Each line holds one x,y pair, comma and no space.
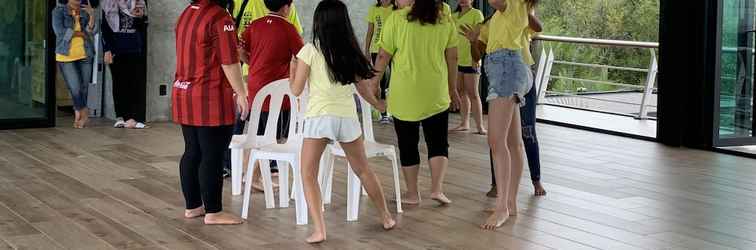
468,70
435,131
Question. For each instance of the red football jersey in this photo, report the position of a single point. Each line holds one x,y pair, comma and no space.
205,40
271,42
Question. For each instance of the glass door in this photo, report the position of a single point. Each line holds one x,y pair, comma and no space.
734,120
25,63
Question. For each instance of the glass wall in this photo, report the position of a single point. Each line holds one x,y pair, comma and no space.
23,62
736,72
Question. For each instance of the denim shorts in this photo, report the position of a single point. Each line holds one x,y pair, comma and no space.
508,75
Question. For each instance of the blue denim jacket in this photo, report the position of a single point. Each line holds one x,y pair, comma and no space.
63,26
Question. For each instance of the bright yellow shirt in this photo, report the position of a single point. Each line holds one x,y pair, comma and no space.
419,76
256,9
506,29
471,18
326,98
526,55
76,52
377,16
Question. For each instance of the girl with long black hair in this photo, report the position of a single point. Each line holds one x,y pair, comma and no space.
332,63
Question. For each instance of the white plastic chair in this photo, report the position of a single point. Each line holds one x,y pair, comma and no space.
286,155
354,186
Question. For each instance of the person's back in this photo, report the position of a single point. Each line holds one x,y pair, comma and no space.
419,62
271,42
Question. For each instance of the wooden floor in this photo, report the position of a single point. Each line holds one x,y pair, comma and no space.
105,188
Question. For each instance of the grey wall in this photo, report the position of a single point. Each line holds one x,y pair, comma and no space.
161,60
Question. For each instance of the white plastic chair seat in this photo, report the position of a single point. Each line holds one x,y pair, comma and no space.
241,142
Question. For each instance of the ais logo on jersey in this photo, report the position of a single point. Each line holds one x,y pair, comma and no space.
228,28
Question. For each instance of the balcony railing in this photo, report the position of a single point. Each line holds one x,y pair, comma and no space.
629,96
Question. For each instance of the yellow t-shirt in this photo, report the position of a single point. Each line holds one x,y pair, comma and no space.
256,9
419,77
76,52
327,98
527,57
377,16
506,29
472,18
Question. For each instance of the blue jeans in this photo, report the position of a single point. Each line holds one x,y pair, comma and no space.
77,75
528,118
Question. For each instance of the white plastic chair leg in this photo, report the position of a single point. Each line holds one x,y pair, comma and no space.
283,184
270,201
397,185
301,203
354,187
248,187
237,159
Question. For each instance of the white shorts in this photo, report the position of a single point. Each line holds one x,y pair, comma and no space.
333,128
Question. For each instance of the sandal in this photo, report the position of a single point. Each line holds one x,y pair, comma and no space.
119,123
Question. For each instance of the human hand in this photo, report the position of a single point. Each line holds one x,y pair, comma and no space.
108,58
470,32
89,10
242,105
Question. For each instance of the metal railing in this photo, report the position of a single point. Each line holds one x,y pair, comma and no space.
547,61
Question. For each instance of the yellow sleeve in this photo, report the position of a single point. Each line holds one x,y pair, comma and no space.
454,39
484,33
371,15
388,41
294,19
306,54
478,17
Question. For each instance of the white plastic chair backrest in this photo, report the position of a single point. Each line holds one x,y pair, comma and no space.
367,118
276,91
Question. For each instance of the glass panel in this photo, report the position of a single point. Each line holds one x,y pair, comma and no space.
736,78
22,59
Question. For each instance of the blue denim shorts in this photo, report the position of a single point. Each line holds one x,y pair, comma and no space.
508,75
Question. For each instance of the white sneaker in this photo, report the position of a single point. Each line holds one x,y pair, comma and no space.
385,120
119,123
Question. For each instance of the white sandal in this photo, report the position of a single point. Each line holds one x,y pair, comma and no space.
119,123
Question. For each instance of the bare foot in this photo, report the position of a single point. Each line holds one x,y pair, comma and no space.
222,218
441,199
539,190
316,237
411,199
84,118
388,222
194,213
495,220
512,207
492,193
460,128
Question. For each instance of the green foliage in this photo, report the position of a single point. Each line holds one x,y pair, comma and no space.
630,20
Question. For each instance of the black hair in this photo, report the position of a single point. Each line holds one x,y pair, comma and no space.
425,12
473,4
333,34
393,4
276,5
531,3
228,5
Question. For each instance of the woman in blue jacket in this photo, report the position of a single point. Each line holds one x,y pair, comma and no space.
74,50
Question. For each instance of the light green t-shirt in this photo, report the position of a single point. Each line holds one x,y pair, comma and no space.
256,9
327,98
471,18
506,30
377,16
419,74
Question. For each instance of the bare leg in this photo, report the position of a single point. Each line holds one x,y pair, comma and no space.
516,146
476,108
464,106
438,172
77,118
412,197
312,150
355,153
501,115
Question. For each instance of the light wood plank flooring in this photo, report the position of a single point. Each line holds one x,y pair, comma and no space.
106,188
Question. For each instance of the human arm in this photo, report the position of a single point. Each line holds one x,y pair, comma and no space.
451,64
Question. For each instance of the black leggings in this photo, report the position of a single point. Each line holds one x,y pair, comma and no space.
435,131
201,166
129,86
